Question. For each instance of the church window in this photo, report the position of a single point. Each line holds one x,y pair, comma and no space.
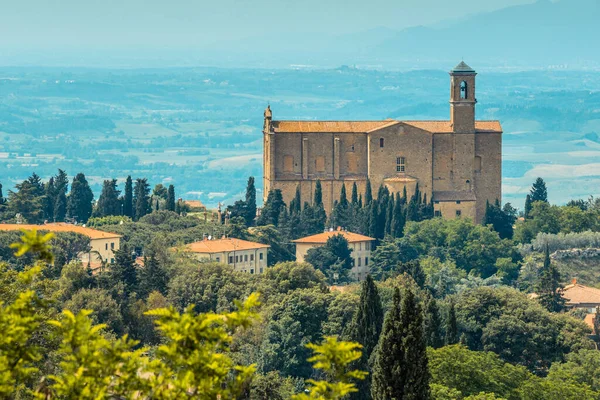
464,90
477,164
381,142
320,164
400,164
288,163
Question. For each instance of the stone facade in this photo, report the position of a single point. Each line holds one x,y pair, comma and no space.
457,163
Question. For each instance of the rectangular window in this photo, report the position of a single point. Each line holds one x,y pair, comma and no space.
359,262
218,259
106,246
320,164
261,270
458,213
360,246
260,256
112,260
288,163
252,271
380,142
457,201
251,257
237,259
437,213
112,245
366,261
400,164
230,259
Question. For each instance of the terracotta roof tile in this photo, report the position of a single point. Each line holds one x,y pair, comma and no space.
223,245
576,294
371,126
61,227
322,237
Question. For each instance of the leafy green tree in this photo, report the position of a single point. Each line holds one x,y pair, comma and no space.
502,221
250,202
334,259
365,329
160,191
549,287
108,202
141,198
105,308
538,191
79,204
128,210
270,386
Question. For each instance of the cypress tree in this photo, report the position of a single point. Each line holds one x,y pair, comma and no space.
250,202
49,199
108,202
60,206
549,287
451,325
373,219
354,194
318,200
366,329
433,323
171,198
152,277
399,218
128,198
389,214
141,198
528,206
414,371
272,208
387,381
79,204
296,203
343,198
368,193
124,270
539,191
2,200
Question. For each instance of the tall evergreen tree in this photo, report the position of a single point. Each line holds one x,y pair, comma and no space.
60,206
415,371
373,219
451,325
389,215
152,277
528,206
108,202
549,287
433,323
2,200
343,198
365,329
386,381
171,199
141,198
27,201
368,193
539,191
272,208
250,202
79,204
128,198
124,269
49,199
354,194
398,218
318,199
296,203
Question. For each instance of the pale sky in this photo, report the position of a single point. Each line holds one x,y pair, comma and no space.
64,24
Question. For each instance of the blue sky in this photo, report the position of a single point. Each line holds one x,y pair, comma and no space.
74,24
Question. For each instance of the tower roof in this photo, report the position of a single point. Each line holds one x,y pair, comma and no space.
462,68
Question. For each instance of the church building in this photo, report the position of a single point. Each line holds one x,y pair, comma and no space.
456,163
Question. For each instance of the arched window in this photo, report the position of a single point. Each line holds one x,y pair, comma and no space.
464,90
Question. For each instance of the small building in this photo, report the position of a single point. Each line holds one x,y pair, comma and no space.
581,297
102,244
242,255
360,245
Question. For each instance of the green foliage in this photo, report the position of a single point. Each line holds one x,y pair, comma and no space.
79,204
250,202
334,259
141,198
39,245
271,209
538,191
108,203
501,219
333,358
105,309
549,287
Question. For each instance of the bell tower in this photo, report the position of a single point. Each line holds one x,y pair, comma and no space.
462,98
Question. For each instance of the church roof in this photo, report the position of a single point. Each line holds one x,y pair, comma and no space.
463,68
371,126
